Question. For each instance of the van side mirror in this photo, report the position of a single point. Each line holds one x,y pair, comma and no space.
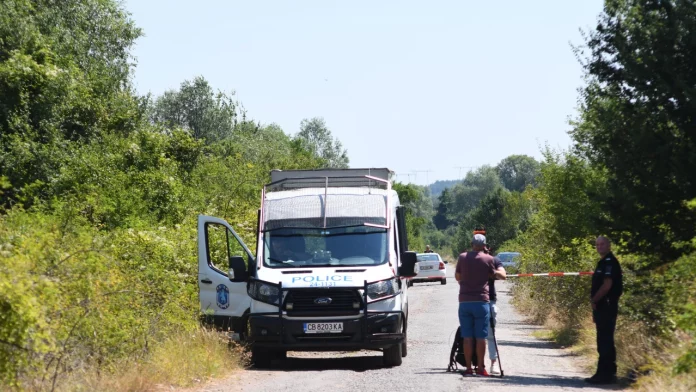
238,270
401,227
408,265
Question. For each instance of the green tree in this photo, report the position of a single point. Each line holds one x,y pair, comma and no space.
571,186
444,201
637,121
466,195
315,136
418,212
198,108
64,78
561,222
518,171
503,214
437,187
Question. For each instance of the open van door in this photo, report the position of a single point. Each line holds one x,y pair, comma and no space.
224,265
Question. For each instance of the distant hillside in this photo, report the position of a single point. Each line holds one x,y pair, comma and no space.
438,186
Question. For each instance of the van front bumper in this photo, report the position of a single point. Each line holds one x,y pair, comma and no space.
374,331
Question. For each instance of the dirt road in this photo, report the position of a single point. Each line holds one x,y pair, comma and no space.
529,364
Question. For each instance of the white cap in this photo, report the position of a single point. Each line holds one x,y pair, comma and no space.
479,239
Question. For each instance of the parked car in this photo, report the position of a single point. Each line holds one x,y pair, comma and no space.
509,259
431,268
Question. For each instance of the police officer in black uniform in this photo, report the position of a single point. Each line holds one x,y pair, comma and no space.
607,287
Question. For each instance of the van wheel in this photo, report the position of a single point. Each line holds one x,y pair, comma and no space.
261,358
242,326
443,281
404,345
392,356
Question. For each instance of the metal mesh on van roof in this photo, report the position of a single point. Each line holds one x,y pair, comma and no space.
343,207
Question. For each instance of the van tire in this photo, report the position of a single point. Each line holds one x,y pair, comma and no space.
242,327
392,356
404,345
261,359
443,281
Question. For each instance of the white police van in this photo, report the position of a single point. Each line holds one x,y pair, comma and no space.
330,268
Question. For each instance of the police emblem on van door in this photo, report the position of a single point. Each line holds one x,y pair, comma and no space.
323,301
223,296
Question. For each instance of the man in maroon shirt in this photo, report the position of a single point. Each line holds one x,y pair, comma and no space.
472,272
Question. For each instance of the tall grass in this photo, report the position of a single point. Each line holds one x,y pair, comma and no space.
183,360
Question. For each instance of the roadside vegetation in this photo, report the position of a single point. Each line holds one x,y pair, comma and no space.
628,175
99,192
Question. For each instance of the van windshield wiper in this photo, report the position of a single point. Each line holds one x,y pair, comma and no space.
323,265
279,261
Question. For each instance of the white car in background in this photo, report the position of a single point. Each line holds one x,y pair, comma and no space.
431,268
509,259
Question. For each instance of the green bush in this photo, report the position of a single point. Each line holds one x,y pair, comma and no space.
75,296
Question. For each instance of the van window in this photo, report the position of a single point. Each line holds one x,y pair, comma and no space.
221,246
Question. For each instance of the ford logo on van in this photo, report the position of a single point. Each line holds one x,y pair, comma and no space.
322,301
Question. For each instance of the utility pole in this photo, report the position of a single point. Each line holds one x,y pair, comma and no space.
427,177
463,167
405,174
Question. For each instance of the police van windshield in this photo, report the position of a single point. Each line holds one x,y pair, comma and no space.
315,247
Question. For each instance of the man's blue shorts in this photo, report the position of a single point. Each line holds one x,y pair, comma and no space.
474,318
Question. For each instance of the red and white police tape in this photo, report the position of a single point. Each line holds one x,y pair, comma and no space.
582,273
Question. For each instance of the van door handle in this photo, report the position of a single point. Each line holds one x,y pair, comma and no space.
206,281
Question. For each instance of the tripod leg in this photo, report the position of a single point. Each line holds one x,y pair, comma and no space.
495,341
500,364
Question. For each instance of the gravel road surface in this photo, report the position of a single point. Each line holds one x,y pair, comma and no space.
529,364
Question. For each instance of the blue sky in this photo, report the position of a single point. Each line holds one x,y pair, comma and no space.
410,85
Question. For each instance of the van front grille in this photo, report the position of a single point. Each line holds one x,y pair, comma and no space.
323,302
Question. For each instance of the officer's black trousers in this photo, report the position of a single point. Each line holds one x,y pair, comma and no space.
605,321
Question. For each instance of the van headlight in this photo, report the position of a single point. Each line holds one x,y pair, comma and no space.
264,292
383,289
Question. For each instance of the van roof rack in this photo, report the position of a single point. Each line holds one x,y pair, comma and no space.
329,178
382,173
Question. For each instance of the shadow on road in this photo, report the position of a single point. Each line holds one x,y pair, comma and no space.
564,355
535,344
527,328
356,364
523,323
560,382
442,370
524,381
